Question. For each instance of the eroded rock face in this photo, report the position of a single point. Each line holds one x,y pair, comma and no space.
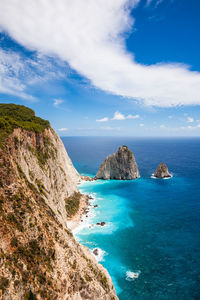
121,165
39,256
162,171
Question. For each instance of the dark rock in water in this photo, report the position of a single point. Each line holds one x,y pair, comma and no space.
95,251
101,223
121,165
162,171
95,205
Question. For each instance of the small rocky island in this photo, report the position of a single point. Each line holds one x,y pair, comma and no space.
162,171
121,165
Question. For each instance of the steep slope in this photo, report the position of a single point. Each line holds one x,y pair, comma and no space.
120,165
39,257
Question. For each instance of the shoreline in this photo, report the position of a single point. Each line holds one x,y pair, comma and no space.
74,222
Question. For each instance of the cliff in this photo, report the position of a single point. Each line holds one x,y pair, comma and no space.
162,171
39,257
121,165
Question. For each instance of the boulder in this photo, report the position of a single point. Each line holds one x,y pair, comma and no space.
95,251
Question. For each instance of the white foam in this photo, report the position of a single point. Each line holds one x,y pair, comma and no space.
101,254
171,175
86,220
130,276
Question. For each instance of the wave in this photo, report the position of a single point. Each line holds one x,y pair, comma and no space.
130,276
152,176
100,253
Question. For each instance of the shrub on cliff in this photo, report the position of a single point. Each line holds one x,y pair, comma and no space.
72,204
14,116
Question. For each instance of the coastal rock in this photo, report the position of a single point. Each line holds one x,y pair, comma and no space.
101,223
121,166
86,178
162,171
95,251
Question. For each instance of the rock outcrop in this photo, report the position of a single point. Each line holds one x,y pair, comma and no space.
39,257
162,171
121,165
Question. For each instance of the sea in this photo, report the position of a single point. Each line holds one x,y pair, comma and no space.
150,243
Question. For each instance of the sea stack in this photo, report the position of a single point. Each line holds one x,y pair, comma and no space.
121,166
162,171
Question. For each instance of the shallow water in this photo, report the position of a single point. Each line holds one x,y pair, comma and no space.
152,225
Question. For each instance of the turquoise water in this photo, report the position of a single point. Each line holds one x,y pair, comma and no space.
152,225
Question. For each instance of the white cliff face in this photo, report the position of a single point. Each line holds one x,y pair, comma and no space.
39,255
54,174
121,166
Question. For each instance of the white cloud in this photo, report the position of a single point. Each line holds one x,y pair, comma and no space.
102,120
141,125
18,73
132,117
57,102
119,116
90,36
162,126
190,120
63,129
170,117
12,69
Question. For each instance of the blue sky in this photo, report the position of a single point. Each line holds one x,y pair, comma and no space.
103,67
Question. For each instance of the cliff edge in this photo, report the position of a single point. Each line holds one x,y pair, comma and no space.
39,257
121,166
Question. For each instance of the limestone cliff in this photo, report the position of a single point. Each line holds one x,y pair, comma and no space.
39,257
162,171
121,165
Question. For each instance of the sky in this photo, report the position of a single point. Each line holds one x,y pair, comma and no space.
104,68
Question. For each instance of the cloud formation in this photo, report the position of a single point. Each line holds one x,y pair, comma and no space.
18,73
57,102
63,129
102,120
190,120
119,116
90,36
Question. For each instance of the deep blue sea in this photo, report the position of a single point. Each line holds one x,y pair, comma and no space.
152,225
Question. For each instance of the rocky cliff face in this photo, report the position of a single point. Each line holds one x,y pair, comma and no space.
39,257
162,171
121,165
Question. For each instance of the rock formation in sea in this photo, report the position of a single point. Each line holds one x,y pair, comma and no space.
39,257
121,165
162,171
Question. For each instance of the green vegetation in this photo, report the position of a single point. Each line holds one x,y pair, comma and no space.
30,296
4,282
43,153
12,220
72,204
41,187
42,156
14,116
14,242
